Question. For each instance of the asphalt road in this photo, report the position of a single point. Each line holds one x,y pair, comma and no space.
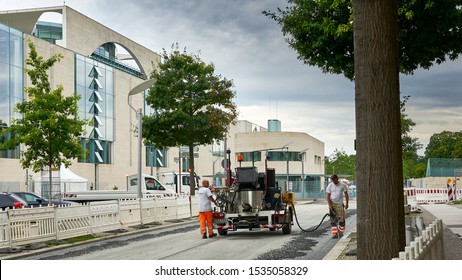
183,242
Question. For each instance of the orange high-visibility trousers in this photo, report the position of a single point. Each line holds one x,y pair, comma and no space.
206,224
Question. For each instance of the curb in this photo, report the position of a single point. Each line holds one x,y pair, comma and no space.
339,248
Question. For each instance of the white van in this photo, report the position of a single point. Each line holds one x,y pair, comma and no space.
170,181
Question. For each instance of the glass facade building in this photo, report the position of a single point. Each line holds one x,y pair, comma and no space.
103,67
94,82
11,79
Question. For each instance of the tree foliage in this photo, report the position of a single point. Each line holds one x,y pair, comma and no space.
413,164
193,106
410,144
342,164
321,31
49,125
445,144
389,36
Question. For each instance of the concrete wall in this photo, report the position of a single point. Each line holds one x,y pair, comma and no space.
434,182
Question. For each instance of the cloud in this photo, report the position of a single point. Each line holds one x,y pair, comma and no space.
270,81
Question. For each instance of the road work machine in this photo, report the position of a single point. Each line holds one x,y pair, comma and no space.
253,201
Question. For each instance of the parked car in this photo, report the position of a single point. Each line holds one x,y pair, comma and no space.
35,200
11,201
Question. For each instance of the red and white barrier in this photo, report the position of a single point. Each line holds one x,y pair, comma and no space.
450,186
411,199
416,196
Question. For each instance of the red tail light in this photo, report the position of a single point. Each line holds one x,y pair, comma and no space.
218,215
17,204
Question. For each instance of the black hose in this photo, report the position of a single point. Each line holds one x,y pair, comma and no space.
304,230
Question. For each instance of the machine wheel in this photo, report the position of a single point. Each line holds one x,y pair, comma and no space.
222,231
288,228
272,229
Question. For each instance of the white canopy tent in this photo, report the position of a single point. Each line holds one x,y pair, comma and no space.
69,181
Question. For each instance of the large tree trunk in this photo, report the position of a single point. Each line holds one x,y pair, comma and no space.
380,223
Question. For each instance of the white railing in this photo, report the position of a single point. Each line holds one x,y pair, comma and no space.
30,225
428,246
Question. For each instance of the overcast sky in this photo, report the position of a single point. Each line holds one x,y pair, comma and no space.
270,82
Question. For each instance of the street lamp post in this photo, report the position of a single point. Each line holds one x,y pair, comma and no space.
301,156
152,162
139,113
286,146
214,177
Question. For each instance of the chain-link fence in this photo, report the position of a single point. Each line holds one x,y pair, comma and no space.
443,167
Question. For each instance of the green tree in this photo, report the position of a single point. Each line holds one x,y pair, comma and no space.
342,164
49,126
321,31
193,105
410,144
445,144
411,160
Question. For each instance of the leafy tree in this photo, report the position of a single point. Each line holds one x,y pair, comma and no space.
387,39
49,127
193,105
410,144
445,144
414,168
321,31
411,160
342,164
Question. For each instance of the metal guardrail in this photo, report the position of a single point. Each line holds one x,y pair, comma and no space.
41,224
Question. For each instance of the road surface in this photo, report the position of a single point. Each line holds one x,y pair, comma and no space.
183,242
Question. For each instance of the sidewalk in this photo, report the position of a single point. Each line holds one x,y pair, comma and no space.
450,214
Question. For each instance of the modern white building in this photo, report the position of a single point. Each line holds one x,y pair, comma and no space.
103,66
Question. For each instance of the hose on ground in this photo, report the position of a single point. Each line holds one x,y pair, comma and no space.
305,230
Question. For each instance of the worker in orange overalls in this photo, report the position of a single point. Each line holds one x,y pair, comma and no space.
335,193
205,210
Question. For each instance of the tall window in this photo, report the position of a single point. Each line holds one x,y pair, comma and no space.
11,80
95,84
49,31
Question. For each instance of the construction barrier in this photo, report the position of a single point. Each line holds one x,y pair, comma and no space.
31,225
104,216
183,205
129,212
416,196
4,230
73,221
